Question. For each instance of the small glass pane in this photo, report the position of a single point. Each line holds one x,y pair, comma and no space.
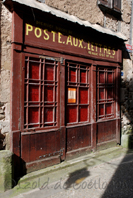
48,96
110,77
34,70
49,72
83,76
48,114
101,77
83,96
101,94
83,113
33,93
71,114
109,93
101,109
72,75
33,115
108,108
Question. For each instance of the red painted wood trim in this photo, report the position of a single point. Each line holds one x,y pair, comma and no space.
16,142
15,91
63,142
62,95
17,31
93,107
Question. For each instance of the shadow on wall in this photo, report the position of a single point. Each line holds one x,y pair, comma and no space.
126,99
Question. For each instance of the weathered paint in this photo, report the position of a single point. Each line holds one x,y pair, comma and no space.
43,146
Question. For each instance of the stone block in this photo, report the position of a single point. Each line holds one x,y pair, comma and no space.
5,86
5,126
7,111
5,170
127,141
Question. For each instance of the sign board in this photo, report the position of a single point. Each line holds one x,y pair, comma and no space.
42,35
71,95
129,48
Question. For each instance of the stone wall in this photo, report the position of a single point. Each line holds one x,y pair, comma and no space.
5,56
83,9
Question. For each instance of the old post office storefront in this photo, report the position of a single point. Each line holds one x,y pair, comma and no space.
65,86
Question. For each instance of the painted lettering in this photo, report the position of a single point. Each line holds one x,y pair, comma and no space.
100,45
111,56
29,28
46,37
59,37
89,46
80,43
38,32
96,44
69,40
105,49
75,41
113,52
53,35
109,50
94,53
92,49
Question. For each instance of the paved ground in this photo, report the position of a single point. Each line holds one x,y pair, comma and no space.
98,178
111,179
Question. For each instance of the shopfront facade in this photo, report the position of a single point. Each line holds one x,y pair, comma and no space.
65,88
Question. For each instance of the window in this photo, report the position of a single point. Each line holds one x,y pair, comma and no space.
105,93
110,6
41,92
78,82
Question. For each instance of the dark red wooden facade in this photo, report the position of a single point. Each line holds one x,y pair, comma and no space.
65,89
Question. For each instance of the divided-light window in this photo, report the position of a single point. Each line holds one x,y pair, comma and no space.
105,93
108,5
41,93
78,89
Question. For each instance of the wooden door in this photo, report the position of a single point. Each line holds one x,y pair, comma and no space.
108,114
78,129
40,137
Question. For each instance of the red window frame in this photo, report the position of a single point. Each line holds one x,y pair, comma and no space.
106,86
41,92
78,78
